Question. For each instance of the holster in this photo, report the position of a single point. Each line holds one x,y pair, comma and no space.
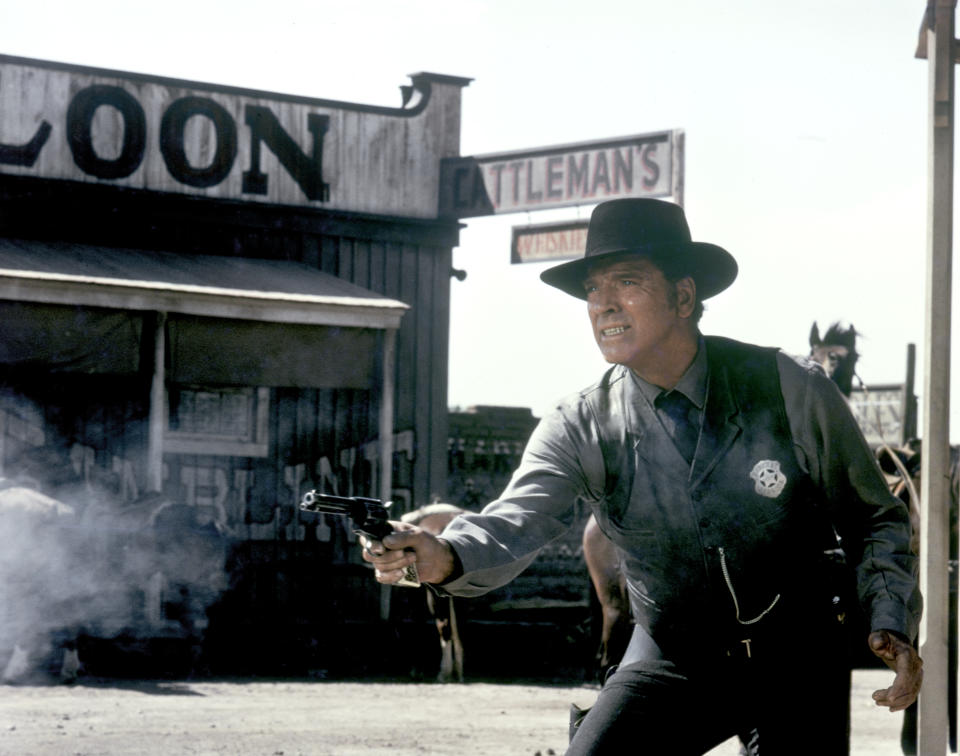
576,717
577,714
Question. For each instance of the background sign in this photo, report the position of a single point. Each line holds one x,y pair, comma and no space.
643,165
549,241
59,121
879,413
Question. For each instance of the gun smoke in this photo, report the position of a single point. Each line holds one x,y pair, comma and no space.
76,561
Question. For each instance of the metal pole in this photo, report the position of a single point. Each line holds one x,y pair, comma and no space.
157,421
386,439
935,491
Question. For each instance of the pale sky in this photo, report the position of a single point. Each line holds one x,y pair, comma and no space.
806,143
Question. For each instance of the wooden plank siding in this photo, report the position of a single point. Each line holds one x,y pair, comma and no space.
419,276
295,579
279,556
368,159
402,259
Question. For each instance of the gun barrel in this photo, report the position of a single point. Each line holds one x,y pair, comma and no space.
342,505
317,502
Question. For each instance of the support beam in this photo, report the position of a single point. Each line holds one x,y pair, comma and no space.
386,413
386,438
158,405
938,29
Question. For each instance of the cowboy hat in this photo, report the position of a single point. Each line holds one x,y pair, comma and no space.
622,228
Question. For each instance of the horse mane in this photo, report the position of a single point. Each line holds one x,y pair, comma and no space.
837,335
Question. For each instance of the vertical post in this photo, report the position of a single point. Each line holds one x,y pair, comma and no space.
157,407
386,439
678,179
935,491
3,436
908,402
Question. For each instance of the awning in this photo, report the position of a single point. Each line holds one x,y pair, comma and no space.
228,321
279,291
220,320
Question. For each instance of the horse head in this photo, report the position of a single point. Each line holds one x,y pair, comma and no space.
837,353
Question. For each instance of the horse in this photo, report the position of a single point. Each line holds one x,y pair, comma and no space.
433,518
610,587
837,353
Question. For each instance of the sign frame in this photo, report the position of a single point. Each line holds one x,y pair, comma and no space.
564,175
883,413
578,227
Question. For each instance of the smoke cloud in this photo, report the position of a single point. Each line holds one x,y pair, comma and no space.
76,561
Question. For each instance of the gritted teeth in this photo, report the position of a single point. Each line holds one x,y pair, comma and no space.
613,331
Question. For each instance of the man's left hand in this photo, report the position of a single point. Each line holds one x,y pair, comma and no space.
903,659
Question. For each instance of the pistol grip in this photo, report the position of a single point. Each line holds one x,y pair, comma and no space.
410,579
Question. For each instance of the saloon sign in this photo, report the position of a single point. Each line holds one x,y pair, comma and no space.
93,125
643,165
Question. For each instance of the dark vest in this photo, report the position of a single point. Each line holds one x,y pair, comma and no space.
740,521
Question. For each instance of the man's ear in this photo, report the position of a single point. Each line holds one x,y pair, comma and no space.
686,296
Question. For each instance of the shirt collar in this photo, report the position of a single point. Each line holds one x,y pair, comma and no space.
692,384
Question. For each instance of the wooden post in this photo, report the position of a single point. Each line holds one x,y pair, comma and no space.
157,407
938,29
908,402
386,439
678,183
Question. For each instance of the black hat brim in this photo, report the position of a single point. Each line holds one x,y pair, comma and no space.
711,267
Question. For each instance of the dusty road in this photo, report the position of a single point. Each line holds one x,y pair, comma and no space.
320,718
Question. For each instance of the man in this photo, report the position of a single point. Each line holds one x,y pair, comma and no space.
722,471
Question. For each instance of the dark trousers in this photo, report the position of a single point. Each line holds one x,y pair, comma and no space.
778,702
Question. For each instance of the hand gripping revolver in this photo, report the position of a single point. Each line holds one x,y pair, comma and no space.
369,518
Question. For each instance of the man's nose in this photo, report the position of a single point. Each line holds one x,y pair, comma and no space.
603,299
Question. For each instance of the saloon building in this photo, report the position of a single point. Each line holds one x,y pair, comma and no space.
217,299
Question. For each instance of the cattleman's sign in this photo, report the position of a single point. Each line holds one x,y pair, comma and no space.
643,165
80,124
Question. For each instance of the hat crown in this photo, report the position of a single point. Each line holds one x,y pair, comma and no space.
637,226
625,224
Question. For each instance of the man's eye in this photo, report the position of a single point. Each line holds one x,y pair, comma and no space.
628,282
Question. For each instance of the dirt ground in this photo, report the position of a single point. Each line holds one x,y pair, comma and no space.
320,718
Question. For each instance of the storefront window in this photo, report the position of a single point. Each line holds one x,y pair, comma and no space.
228,421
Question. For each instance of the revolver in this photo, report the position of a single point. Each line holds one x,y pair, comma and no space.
369,518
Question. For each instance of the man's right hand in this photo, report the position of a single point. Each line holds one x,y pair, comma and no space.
409,545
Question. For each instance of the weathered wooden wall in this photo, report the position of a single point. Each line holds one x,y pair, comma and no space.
408,261
292,574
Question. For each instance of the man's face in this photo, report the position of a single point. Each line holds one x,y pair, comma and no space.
637,316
